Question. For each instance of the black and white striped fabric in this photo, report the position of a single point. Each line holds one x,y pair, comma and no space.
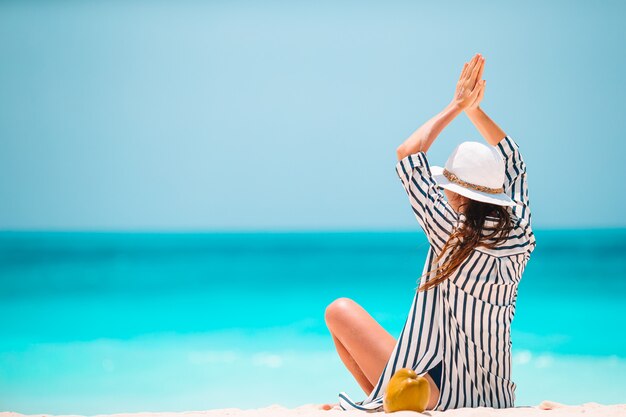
464,321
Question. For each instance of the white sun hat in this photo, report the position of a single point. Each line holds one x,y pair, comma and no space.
476,171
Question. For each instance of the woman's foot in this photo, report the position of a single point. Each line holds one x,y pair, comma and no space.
329,406
550,405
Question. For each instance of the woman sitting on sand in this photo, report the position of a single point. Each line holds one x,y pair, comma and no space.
457,333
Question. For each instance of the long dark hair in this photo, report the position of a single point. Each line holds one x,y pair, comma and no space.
469,235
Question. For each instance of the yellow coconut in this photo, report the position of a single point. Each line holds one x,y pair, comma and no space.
406,390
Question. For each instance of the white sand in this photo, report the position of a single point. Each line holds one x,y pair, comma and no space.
545,409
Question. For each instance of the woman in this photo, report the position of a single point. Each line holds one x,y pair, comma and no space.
457,333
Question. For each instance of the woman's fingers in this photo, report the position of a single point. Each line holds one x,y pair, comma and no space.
474,75
463,71
467,89
467,68
471,68
482,68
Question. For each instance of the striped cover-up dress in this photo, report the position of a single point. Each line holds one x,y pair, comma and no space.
464,321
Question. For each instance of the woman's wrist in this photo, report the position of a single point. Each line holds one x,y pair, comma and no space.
455,106
473,111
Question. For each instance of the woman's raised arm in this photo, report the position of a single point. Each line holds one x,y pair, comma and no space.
487,127
515,181
425,135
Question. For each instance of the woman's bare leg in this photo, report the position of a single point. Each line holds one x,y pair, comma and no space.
352,366
366,345
363,345
434,392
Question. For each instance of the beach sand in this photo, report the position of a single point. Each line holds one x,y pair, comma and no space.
545,408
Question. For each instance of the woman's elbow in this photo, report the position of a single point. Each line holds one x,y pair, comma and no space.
401,152
406,149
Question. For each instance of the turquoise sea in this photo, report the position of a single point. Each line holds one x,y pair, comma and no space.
110,322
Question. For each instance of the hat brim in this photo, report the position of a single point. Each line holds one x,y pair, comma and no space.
501,199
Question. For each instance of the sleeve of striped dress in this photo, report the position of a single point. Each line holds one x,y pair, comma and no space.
515,180
432,210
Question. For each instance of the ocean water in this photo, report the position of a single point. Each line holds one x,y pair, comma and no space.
110,322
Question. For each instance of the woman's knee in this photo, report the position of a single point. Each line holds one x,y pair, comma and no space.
338,310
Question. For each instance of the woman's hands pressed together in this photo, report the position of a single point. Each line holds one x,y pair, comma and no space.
470,88
469,92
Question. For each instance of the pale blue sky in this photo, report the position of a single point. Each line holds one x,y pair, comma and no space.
263,115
